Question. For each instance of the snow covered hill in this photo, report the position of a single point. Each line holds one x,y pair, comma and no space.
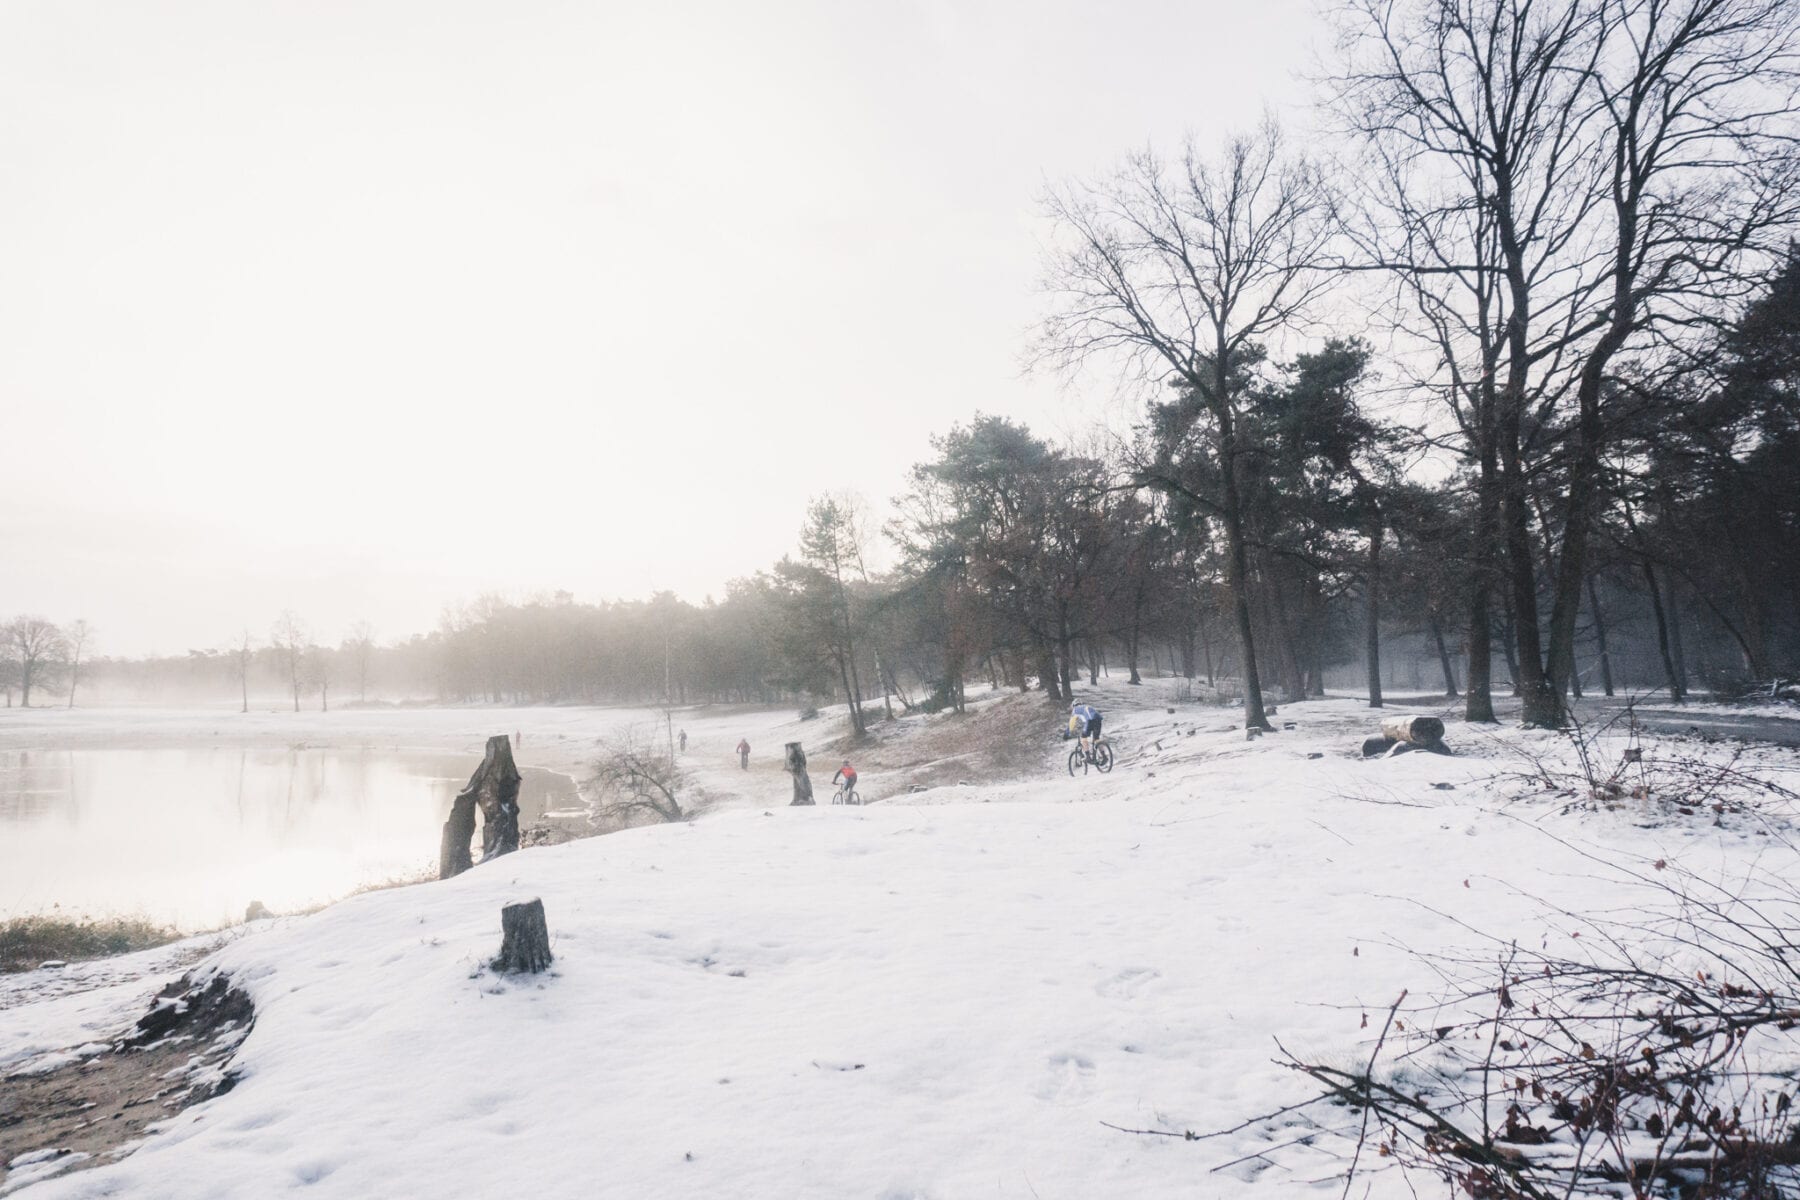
949,994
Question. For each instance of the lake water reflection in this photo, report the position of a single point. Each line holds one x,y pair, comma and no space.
192,836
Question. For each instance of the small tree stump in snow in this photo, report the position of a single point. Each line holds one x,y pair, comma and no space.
524,938
796,765
494,787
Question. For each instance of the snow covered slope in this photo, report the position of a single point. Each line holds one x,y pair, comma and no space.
937,999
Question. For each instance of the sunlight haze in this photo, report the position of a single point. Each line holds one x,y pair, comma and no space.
363,310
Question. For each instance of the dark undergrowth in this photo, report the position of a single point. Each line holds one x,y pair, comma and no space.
26,942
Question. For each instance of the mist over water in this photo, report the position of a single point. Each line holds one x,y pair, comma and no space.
190,837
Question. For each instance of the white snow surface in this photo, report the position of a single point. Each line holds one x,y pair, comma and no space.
939,996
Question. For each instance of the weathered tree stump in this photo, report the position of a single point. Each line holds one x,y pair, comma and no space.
524,938
796,765
1417,730
494,788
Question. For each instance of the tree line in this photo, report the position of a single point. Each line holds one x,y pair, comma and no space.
1505,368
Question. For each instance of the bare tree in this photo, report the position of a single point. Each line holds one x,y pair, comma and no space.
1187,271
1695,108
320,663
361,646
79,635
637,780
830,545
37,645
290,638
1555,186
243,653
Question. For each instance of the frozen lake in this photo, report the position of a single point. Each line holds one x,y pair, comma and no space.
191,836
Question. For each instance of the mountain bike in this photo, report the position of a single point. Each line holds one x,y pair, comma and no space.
841,796
1099,759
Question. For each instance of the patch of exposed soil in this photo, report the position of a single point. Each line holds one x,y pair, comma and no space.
83,1109
997,740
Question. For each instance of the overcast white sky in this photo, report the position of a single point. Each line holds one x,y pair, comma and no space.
361,309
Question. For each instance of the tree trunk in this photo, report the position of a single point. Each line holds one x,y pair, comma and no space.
1237,560
1372,582
494,788
1506,642
1206,652
1047,675
1449,668
1606,676
1670,679
524,938
796,766
1681,675
1478,705
849,696
1542,707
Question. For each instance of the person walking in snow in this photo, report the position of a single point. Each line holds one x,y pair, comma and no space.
743,749
682,738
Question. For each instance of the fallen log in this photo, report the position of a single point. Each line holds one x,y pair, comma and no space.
1417,730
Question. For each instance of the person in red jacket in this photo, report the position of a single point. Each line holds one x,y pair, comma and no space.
743,749
847,774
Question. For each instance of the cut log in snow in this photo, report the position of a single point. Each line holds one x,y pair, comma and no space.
494,788
1419,731
796,765
524,938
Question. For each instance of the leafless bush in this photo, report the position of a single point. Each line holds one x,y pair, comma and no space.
1660,1062
1611,767
639,783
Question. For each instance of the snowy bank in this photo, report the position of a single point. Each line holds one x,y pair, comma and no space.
936,999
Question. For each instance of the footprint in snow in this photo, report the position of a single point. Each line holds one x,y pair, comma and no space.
1127,983
1070,1079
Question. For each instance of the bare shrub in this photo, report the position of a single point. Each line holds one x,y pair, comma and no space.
1656,1059
638,783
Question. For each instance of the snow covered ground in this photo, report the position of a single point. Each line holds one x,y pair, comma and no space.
945,994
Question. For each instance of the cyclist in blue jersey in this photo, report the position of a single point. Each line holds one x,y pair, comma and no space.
1084,723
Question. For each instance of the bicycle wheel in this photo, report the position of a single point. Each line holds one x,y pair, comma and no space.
1103,757
1077,759
854,797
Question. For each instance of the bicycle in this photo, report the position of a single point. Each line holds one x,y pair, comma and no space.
1100,758
841,796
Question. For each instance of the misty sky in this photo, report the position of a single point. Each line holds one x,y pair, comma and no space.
363,309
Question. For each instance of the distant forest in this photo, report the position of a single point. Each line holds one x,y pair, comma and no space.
1500,379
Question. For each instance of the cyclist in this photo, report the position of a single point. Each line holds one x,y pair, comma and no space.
847,774
743,752
1084,723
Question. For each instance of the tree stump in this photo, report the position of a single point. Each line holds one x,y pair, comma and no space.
494,788
524,938
796,765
